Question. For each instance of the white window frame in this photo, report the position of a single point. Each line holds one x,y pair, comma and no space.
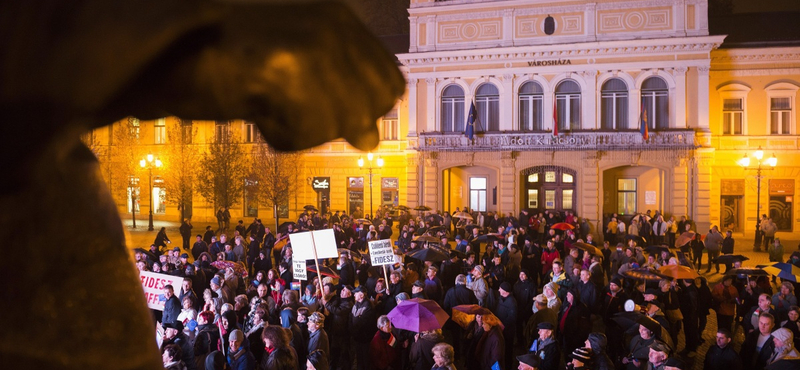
733,91
527,100
453,104
390,128
249,132
480,193
782,90
615,97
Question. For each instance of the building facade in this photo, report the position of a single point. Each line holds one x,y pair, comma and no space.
563,92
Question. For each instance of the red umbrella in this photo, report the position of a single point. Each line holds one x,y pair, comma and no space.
418,315
678,272
562,226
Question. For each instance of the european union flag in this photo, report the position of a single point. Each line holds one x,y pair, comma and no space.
471,119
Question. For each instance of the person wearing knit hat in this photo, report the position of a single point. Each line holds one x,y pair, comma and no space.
550,291
478,284
581,359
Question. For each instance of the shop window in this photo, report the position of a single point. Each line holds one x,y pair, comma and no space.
453,109
159,196
487,101
566,198
531,98
533,198
614,105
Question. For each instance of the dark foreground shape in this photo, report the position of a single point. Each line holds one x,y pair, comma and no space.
304,73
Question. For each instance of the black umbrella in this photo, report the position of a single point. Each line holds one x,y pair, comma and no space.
470,227
639,240
150,255
747,271
426,239
627,320
656,249
285,226
363,221
436,229
731,258
402,208
429,254
350,252
310,208
422,208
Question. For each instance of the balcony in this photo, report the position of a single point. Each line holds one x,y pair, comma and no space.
572,140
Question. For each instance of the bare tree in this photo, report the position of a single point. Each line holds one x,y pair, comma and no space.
124,155
223,168
276,174
181,164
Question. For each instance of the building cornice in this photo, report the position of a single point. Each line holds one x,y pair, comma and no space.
671,46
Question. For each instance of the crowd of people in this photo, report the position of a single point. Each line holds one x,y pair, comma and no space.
544,303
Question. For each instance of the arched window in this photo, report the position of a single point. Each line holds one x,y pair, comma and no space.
487,101
530,106
568,105
453,109
614,105
655,103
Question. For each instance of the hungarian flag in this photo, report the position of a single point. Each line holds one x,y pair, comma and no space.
473,116
643,125
555,117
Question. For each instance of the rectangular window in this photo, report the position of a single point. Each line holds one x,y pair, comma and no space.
614,107
626,196
534,177
250,132
732,116
566,198
550,176
530,113
477,193
390,129
567,178
186,131
780,116
569,111
489,112
159,196
221,131
160,131
134,127
549,199
453,115
533,198
133,194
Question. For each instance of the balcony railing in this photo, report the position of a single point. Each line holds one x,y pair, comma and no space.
574,140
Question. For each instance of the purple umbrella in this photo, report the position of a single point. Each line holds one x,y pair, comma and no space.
418,315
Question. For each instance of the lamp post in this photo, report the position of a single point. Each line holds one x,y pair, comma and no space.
765,164
149,162
379,163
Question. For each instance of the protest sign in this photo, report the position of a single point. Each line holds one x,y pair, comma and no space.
303,244
381,252
299,266
153,285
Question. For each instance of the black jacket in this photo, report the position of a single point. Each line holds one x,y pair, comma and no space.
363,321
172,308
506,311
339,309
456,296
756,360
722,358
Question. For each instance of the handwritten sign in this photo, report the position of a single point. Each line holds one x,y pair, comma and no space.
153,285
381,252
299,271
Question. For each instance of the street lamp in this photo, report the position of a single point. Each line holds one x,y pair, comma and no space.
149,162
379,163
771,162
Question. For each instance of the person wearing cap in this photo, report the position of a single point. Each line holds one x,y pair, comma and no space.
318,337
528,361
173,334
659,352
478,284
722,355
340,306
545,347
363,320
759,345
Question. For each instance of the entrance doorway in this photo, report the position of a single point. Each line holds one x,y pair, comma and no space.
549,188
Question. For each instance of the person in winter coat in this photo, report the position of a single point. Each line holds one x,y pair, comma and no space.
443,357
385,346
599,343
363,321
339,306
573,322
162,239
420,355
507,313
524,292
206,338
753,357
478,285
639,350
173,334
545,347
722,356
171,356
279,355
784,346
172,306
490,348
318,338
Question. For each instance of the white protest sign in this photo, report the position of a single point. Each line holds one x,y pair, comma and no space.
299,271
153,285
381,252
303,244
